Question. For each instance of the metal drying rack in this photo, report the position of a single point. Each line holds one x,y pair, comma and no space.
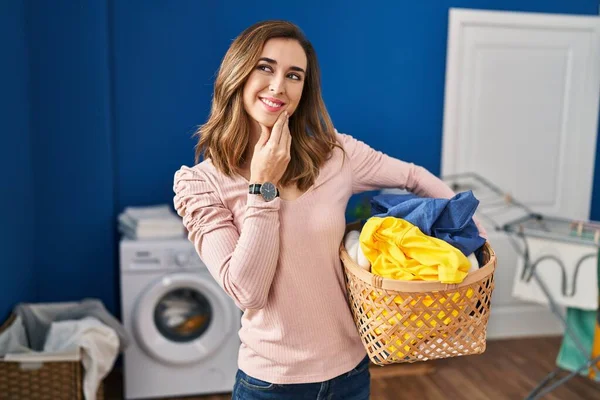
519,222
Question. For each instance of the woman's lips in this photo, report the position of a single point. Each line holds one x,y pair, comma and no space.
272,104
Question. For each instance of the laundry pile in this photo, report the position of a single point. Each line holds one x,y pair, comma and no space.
412,238
150,222
417,238
57,328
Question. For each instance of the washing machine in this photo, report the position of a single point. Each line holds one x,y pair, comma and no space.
184,328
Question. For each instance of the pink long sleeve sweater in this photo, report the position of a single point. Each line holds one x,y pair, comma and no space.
279,260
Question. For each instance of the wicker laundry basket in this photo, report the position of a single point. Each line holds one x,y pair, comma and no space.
409,321
53,380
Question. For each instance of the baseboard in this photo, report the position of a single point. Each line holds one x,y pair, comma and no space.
522,321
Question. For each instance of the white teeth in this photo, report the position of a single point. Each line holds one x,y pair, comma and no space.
270,103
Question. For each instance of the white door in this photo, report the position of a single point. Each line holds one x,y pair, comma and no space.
521,110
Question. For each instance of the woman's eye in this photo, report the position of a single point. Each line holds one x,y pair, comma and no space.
265,68
295,77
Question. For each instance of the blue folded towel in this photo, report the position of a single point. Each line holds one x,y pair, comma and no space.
448,219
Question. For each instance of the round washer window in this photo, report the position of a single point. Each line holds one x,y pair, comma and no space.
183,315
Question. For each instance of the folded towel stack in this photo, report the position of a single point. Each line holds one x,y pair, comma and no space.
150,222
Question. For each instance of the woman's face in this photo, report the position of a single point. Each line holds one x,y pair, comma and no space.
276,83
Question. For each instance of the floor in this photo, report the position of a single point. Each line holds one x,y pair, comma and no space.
509,369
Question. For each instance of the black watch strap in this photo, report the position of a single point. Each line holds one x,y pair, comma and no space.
254,188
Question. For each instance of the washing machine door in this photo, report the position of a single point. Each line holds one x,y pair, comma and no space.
183,318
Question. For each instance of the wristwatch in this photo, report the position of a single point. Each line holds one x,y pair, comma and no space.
267,190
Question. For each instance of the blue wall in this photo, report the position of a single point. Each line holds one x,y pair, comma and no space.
73,150
117,89
17,281
165,56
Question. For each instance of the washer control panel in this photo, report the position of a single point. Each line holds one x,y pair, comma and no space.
151,255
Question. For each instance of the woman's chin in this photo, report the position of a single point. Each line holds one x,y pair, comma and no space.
266,120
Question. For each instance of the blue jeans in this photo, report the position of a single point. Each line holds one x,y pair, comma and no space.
352,385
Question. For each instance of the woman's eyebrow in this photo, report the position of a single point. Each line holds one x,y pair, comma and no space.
271,61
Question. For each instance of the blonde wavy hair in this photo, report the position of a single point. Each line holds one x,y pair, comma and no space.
224,137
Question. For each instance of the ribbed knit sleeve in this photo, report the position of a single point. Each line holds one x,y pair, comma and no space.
243,263
372,169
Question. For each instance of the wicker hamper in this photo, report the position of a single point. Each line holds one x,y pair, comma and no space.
409,321
53,380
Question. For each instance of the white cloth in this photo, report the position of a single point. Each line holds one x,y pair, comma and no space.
553,256
474,263
14,339
37,317
352,245
98,342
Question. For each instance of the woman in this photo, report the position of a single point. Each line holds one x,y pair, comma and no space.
266,213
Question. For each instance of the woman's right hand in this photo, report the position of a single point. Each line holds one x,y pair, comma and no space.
272,152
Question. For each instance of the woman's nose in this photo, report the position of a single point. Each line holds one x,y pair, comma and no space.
277,85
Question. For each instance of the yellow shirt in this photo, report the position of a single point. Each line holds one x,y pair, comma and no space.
399,250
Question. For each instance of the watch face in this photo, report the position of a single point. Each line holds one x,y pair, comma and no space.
268,191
